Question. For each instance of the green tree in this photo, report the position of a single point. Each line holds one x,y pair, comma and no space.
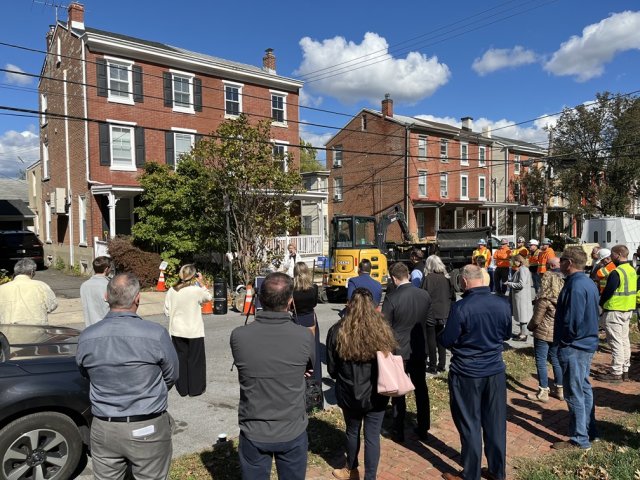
178,213
256,184
598,169
308,160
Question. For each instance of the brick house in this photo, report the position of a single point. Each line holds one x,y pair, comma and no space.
442,176
123,101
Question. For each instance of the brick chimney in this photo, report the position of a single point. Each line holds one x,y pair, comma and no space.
467,123
76,16
486,132
387,106
269,61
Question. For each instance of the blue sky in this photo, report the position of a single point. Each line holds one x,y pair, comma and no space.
500,62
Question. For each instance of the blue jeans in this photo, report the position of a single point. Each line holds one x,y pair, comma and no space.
543,351
372,426
578,394
256,457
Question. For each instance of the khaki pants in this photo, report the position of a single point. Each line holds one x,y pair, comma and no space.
616,325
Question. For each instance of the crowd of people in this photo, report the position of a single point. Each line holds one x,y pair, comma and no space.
132,363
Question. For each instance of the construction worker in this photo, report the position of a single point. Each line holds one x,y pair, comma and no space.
606,267
520,249
534,253
502,256
483,251
546,252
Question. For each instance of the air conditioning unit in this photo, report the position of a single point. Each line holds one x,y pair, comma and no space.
57,200
337,163
444,193
337,198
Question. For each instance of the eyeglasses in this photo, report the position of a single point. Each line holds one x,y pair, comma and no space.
564,259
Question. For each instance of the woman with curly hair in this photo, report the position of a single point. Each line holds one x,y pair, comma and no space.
542,327
352,344
183,307
305,299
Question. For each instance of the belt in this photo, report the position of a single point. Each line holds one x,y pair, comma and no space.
131,418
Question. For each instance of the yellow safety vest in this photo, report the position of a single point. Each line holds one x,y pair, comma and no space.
624,298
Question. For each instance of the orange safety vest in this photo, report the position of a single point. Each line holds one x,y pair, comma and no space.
543,258
603,274
503,257
533,258
484,251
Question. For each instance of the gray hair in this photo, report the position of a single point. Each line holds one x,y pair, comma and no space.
25,266
122,290
471,272
434,264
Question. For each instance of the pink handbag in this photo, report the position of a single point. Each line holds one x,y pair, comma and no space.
392,379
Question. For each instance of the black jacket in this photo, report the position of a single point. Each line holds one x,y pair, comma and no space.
356,382
408,311
442,295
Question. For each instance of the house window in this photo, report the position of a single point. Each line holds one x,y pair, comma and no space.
122,151
306,225
444,185
58,52
422,183
363,123
444,150
482,188
82,214
464,154
482,156
337,156
516,164
233,99
119,80
420,222
183,143
278,108
47,222
422,148
182,92
337,189
280,154
45,160
464,187
44,106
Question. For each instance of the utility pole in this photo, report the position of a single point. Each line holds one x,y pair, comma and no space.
227,210
548,171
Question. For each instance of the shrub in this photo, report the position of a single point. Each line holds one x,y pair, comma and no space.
59,264
128,258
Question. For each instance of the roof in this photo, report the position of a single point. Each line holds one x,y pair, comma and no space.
14,189
15,209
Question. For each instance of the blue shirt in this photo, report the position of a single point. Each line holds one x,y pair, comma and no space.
130,363
364,280
576,320
475,332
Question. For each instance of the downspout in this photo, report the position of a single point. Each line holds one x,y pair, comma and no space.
68,161
406,172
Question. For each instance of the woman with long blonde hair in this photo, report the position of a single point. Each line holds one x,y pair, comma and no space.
183,307
305,299
352,344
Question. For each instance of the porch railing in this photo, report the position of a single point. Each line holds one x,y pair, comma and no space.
307,245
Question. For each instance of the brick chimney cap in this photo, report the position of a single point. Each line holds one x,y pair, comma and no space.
387,96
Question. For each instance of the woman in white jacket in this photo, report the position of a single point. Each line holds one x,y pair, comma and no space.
183,307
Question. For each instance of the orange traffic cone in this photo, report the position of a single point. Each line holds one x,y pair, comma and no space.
160,286
249,308
207,308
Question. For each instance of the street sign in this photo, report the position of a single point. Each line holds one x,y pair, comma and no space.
545,219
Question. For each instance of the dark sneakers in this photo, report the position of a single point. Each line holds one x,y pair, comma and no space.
609,378
568,445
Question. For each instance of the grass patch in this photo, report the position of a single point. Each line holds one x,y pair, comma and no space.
617,457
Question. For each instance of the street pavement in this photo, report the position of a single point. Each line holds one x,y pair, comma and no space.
199,420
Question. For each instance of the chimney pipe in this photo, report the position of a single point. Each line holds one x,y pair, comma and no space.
467,123
76,16
269,61
486,132
387,106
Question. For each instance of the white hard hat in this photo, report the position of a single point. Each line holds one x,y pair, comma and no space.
533,241
603,253
482,241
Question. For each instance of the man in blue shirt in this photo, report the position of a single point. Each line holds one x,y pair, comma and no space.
475,332
131,364
575,331
364,280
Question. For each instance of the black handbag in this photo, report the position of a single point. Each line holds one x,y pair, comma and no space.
313,398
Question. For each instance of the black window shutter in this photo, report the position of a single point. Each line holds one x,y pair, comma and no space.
197,94
138,96
101,71
169,153
168,89
140,153
105,144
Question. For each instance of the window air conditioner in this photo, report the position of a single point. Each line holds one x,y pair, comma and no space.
444,193
337,197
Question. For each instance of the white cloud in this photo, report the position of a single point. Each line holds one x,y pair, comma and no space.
366,71
505,128
316,140
308,100
584,57
499,58
16,78
15,144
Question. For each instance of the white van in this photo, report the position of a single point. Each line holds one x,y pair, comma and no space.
611,231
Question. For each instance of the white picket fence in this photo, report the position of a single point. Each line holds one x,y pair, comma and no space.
308,246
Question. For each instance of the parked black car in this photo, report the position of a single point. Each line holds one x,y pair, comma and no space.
45,413
17,244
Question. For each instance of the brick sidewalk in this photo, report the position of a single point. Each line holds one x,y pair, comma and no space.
531,428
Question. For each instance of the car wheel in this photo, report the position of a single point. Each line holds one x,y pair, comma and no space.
45,445
455,280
